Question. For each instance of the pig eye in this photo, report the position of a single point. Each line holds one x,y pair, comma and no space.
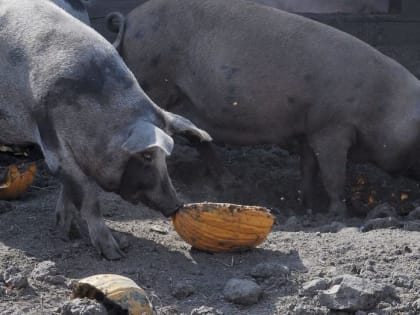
147,156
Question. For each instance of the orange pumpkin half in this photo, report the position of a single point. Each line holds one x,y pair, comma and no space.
17,182
222,227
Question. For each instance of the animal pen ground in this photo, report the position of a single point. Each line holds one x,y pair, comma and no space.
374,254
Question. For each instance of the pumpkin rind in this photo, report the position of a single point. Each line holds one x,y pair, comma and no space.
217,227
17,182
120,290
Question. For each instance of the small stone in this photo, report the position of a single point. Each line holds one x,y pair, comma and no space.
402,281
83,307
352,293
10,272
182,290
158,229
17,281
206,310
14,278
380,223
241,291
43,270
263,271
383,305
383,210
312,287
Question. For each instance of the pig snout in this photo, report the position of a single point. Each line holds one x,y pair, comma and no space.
154,189
164,198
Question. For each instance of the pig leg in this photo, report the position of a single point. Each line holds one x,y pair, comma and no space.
81,192
65,215
99,233
309,170
331,146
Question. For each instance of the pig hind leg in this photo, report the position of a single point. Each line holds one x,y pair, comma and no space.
331,146
309,170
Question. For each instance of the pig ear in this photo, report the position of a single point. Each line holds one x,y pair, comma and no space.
145,135
177,124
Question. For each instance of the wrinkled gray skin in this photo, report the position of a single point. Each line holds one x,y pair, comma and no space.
329,6
65,88
250,74
77,8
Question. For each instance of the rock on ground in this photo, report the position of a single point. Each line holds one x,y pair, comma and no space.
352,293
83,307
403,281
46,271
14,278
242,291
312,287
264,271
182,290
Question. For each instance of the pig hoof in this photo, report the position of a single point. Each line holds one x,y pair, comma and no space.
111,251
66,227
107,246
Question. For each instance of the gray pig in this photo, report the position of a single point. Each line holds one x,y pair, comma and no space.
250,74
66,89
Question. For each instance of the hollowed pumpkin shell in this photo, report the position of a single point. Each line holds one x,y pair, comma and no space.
17,182
222,227
117,293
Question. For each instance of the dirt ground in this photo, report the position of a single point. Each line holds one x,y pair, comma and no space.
311,245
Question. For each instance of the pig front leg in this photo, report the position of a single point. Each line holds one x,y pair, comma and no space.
99,233
330,146
80,193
